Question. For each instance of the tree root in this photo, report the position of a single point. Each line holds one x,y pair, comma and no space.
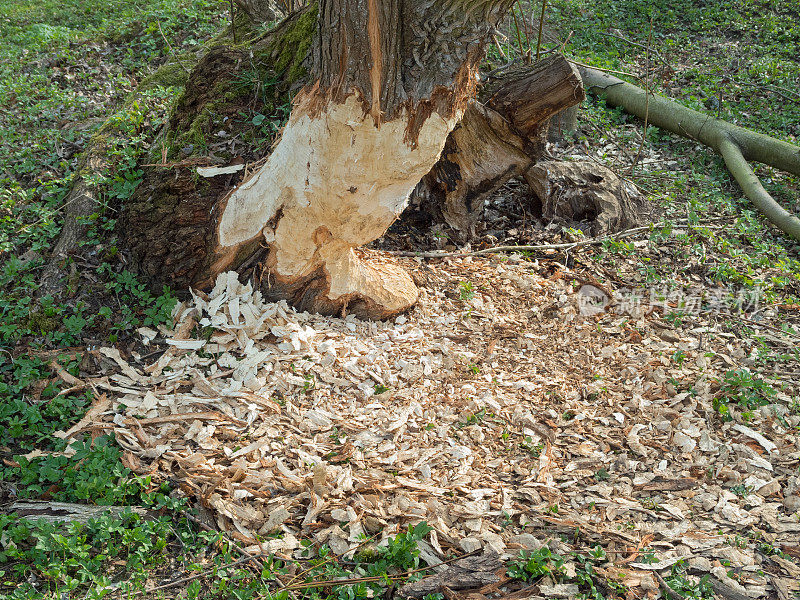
736,145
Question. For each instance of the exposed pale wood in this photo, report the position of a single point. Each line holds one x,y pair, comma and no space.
389,82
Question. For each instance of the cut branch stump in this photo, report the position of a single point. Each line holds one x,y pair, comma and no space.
500,137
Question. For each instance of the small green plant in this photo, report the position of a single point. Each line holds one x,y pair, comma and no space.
743,389
648,556
689,587
466,291
309,383
473,418
679,357
585,575
602,474
676,317
649,503
742,490
534,564
535,449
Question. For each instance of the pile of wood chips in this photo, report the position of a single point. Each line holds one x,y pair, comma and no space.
495,411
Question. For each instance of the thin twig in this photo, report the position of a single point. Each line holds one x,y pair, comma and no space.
233,23
499,48
632,43
190,578
612,71
232,544
646,98
171,50
764,325
666,586
772,88
501,249
331,558
565,246
541,29
525,30
400,576
519,35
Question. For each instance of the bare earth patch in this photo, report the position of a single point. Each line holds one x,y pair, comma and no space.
496,411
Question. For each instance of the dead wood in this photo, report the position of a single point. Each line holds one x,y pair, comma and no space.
64,512
498,138
467,573
80,203
583,190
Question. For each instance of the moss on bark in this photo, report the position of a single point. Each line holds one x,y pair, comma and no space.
232,106
290,51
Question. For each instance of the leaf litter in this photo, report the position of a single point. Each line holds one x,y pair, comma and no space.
499,412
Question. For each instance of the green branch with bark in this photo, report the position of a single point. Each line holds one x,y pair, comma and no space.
736,145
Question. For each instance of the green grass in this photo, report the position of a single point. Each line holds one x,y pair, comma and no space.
743,53
65,67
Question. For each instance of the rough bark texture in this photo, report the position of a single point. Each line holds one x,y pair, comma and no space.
169,225
466,573
65,512
81,201
563,124
388,82
584,191
259,11
419,56
497,139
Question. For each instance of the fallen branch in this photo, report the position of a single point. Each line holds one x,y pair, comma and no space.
465,573
376,578
65,512
542,247
666,587
736,145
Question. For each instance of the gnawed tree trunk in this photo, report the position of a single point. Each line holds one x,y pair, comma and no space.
388,82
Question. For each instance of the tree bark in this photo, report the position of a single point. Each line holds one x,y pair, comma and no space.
388,82
563,124
735,144
500,137
65,512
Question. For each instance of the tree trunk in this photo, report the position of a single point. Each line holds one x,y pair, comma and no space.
388,82
735,144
